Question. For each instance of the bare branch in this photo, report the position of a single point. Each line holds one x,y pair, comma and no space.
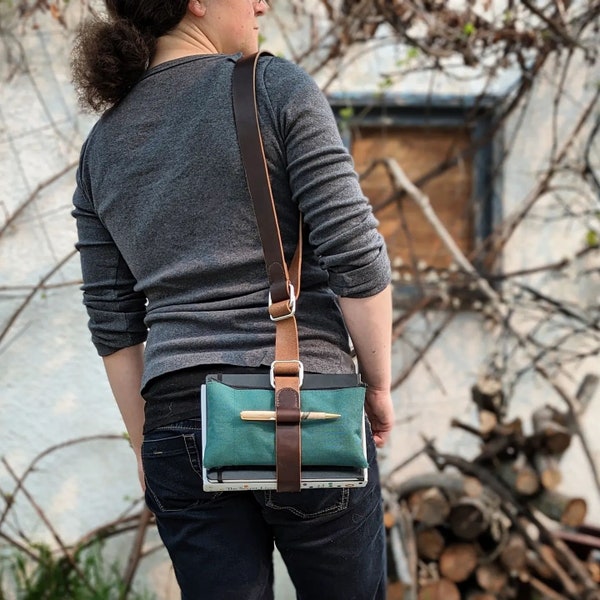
31,295
31,198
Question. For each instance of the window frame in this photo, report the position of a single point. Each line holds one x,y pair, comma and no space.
437,111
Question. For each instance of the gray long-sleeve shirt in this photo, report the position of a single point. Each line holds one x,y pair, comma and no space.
168,240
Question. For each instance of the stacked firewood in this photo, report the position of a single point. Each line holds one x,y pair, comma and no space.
488,530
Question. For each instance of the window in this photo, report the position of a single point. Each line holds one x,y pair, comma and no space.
444,146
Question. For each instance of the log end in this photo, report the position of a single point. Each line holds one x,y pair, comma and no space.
574,513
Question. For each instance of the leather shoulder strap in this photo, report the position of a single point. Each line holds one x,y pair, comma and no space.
250,140
286,370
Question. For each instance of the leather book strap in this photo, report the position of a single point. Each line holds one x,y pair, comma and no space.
286,369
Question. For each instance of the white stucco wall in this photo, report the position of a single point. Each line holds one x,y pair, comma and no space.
52,385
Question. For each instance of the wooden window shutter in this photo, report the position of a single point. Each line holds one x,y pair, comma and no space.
418,150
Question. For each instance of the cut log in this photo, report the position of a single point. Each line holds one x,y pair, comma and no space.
429,506
430,543
458,561
554,437
468,518
567,511
487,395
439,590
491,577
520,475
487,422
452,485
473,487
548,470
514,553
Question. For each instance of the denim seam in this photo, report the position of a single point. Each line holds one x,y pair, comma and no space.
171,427
194,461
158,502
337,507
192,452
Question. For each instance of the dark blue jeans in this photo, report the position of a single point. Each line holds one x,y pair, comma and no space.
332,541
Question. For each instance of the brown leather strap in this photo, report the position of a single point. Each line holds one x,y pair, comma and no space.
286,369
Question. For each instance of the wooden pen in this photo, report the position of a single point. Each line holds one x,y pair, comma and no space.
269,415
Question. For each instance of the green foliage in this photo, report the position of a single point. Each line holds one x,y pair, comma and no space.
55,577
592,239
346,113
411,54
469,29
385,83
508,16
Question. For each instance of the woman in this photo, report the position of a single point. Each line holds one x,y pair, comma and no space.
175,284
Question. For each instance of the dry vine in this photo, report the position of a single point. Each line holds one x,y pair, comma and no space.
15,538
533,43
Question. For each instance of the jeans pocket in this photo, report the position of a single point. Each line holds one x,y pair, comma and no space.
172,469
309,504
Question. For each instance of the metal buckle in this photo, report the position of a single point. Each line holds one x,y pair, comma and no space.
300,371
292,302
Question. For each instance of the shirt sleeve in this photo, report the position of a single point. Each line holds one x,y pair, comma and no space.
116,310
341,225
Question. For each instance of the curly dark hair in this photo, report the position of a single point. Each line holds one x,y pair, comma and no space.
109,56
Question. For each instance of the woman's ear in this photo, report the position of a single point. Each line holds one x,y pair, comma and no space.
197,7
